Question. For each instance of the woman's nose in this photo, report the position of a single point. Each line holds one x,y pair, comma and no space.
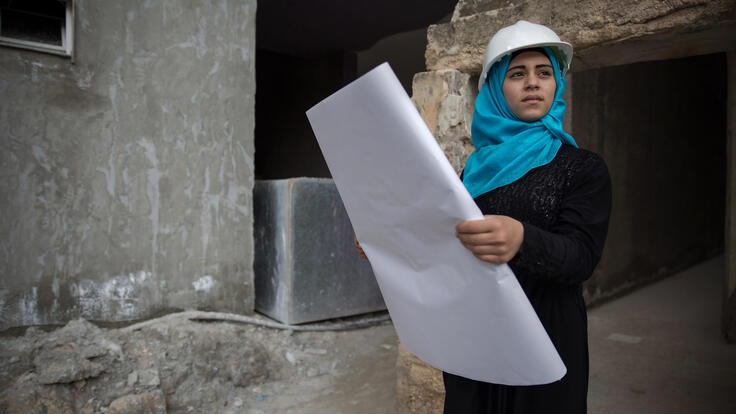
532,82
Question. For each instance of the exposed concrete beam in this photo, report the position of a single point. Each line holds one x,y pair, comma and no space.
320,27
587,24
656,47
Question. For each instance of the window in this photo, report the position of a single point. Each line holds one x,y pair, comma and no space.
41,25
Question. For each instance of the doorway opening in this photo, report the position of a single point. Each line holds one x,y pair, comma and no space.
662,128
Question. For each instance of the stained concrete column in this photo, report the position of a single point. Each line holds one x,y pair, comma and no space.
729,310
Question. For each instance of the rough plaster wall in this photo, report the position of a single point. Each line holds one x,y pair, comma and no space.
127,176
587,24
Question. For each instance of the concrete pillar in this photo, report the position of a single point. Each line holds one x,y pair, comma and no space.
445,99
729,309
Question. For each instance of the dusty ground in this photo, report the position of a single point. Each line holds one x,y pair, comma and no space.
656,350
180,366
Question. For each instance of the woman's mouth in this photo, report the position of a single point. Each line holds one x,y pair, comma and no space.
532,99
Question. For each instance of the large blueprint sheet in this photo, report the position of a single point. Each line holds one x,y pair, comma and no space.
453,311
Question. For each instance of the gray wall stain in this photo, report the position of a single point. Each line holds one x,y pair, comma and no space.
128,175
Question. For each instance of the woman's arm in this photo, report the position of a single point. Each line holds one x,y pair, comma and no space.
570,250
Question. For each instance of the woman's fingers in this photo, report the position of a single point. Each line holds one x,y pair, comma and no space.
494,259
481,238
494,239
488,249
486,225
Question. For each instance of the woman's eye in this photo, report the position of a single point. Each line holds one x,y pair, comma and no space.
516,74
544,73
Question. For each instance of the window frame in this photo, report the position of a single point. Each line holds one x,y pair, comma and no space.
67,37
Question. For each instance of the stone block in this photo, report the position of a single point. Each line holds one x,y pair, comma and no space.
306,268
445,99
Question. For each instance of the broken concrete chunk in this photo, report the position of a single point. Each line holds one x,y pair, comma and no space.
132,378
152,402
63,365
149,378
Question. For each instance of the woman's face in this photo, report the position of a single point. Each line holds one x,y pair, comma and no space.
529,85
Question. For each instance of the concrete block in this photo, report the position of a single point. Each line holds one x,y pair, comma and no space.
306,268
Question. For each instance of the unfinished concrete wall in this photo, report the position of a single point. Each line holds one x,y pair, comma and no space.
662,133
729,296
128,174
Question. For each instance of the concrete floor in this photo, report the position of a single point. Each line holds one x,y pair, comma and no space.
660,350
656,350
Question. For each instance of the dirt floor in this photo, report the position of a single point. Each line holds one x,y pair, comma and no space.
363,379
176,365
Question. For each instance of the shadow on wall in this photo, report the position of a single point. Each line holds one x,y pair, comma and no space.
662,129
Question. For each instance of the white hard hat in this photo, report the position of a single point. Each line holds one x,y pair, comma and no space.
524,35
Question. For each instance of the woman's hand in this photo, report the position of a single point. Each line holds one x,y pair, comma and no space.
495,239
358,248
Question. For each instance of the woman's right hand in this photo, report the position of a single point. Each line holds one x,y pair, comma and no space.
494,239
358,248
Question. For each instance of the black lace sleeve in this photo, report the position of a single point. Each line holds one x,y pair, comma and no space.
569,250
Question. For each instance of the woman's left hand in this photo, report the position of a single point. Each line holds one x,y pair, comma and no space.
495,239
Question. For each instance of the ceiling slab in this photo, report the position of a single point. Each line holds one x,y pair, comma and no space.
318,27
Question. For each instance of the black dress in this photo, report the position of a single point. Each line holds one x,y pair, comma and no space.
564,207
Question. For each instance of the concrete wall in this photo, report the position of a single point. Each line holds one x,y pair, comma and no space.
127,175
287,86
403,51
662,133
729,285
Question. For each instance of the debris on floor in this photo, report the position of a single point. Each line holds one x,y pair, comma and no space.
177,365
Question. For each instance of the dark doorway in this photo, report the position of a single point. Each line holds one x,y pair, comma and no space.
661,126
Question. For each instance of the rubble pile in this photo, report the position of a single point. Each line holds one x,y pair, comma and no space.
171,366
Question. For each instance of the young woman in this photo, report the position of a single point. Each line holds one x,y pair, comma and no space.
546,204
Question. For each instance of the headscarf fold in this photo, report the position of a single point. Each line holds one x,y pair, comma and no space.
506,148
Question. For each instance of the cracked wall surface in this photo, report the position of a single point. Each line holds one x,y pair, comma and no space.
128,173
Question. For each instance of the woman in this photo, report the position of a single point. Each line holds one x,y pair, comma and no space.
546,204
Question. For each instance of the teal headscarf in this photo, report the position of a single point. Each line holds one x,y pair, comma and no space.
506,148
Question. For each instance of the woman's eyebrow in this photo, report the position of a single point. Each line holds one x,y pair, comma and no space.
543,65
